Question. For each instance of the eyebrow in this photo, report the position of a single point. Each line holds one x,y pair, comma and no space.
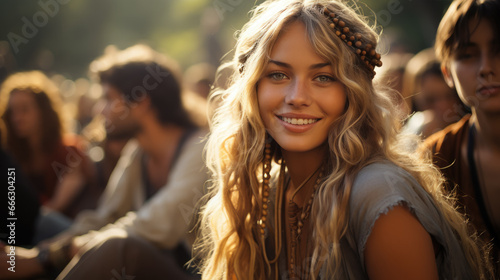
286,65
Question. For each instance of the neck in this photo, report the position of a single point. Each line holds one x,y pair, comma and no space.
487,129
302,164
158,141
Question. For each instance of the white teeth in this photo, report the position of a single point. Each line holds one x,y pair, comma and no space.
299,121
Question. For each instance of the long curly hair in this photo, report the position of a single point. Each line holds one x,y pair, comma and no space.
47,98
229,245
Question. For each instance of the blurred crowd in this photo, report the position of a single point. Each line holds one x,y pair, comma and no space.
122,147
118,155
60,134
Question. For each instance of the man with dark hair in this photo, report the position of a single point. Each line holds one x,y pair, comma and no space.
141,226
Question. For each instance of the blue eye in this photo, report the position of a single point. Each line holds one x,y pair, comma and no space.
277,76
324,79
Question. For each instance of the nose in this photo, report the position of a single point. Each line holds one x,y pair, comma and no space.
105,108
298,94
487,67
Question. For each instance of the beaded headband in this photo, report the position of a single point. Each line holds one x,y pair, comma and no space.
366,52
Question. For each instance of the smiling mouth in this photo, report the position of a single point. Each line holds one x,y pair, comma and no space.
297,121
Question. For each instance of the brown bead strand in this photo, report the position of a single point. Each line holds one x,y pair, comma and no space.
297,223
265,188
366,53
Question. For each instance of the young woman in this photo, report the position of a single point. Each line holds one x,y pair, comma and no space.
53,160
311,180
468,152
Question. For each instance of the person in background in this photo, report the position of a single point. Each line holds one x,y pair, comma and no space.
19,194
199,78
391,75
141,226
34,135
468,152
436,105
106,142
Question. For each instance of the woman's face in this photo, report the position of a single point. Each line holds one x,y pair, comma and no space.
299,97
475,69
24,113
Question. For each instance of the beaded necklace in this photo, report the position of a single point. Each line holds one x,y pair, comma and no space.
296,221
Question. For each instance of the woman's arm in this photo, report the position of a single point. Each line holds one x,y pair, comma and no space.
400,248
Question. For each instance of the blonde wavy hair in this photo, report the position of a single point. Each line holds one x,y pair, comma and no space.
367,132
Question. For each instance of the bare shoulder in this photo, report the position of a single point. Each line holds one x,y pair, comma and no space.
399,248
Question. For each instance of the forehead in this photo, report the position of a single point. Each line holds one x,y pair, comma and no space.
21,95
477,31
293,45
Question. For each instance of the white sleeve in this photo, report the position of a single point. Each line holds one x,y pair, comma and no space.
166,218
117,199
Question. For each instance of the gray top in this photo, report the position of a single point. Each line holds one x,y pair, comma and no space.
377,189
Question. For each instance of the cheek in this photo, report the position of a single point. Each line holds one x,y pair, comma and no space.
115,109
334,104
463,79
27,115
463,75
268,101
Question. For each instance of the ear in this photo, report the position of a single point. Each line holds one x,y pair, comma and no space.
447,76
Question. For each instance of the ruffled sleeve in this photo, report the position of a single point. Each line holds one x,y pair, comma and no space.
381,186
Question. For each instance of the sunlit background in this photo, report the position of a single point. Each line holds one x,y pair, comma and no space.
64,36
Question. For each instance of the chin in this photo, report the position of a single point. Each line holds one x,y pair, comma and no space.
299,148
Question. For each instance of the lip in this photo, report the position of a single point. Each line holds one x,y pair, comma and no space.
297,116
488,90
296,128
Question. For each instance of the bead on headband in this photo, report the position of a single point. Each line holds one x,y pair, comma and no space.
366,52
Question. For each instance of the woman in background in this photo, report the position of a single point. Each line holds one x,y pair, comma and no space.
30,108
